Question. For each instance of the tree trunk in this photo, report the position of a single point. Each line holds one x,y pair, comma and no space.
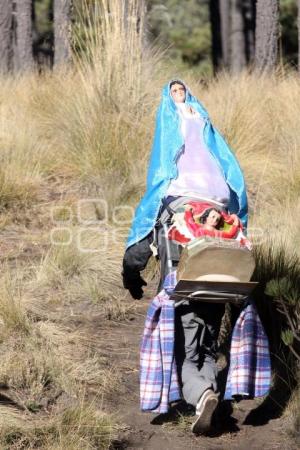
225,31
5,36
237,37
24,53
248,9
267,30
142,19
214,12
299,36
62,31
138,10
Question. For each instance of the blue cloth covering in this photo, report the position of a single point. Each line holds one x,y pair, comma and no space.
168,141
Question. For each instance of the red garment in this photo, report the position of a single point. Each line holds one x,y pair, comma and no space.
189,229
175,235
198,230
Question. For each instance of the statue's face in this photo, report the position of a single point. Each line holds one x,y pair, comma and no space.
213,218
178,93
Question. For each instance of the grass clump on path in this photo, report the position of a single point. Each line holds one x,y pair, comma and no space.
75,428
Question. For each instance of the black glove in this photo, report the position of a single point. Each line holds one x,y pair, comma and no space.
134,285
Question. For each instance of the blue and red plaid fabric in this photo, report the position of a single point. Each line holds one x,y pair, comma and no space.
170,282
250,366
159,384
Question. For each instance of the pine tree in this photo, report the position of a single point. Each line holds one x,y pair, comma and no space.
215,20
299,36
237,37
249,8
62,31
23,48
5,36
266,37
225,31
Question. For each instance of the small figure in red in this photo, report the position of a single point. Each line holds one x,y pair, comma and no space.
209,222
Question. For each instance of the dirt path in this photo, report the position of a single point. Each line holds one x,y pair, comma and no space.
248,425
245,426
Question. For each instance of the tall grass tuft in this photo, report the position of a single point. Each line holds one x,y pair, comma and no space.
100,117
292,415
13,316
274,264
75,428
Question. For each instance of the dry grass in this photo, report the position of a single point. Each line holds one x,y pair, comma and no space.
41,363
12,313
292,416
87,270
83,427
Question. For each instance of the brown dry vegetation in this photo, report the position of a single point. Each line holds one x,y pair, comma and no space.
85,133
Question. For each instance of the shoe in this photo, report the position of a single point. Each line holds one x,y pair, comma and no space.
204,411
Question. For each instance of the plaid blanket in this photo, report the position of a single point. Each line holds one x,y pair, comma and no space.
250,367
159,384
